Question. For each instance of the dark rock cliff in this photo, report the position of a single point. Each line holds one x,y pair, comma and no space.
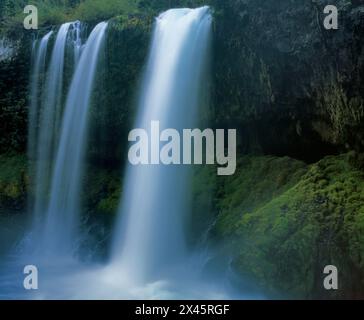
291,86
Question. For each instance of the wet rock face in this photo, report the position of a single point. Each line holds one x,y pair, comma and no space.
7,49
14,79
291,86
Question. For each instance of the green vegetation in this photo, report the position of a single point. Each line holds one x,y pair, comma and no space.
287,222
116,86
13,112
258,180
205,190
103,191
101,195
55,12
13,180
96,10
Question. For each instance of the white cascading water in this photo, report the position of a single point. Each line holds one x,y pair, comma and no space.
76,37
61,225
37,87
150,233
149,254
150,259
57,230
48,123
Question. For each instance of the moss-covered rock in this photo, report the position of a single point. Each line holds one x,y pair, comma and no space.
113,110
257,181
287,224
102,191
205,191
14,182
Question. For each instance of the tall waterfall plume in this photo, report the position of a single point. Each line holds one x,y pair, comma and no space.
150,231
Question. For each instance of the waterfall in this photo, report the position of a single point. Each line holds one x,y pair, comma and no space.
62,215
149,255
37,86
48,123
77,41
57,129
150,231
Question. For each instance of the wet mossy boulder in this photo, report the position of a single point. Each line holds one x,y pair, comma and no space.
287,225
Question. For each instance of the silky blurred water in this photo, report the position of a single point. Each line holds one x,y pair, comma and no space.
149,255
150,234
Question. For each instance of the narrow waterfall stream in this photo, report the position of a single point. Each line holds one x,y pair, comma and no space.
37,87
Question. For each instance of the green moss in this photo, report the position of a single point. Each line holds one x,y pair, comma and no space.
109,205
13,179
56,12
121,23
97,10
116,87
102,194
311,220
257,181
205,191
